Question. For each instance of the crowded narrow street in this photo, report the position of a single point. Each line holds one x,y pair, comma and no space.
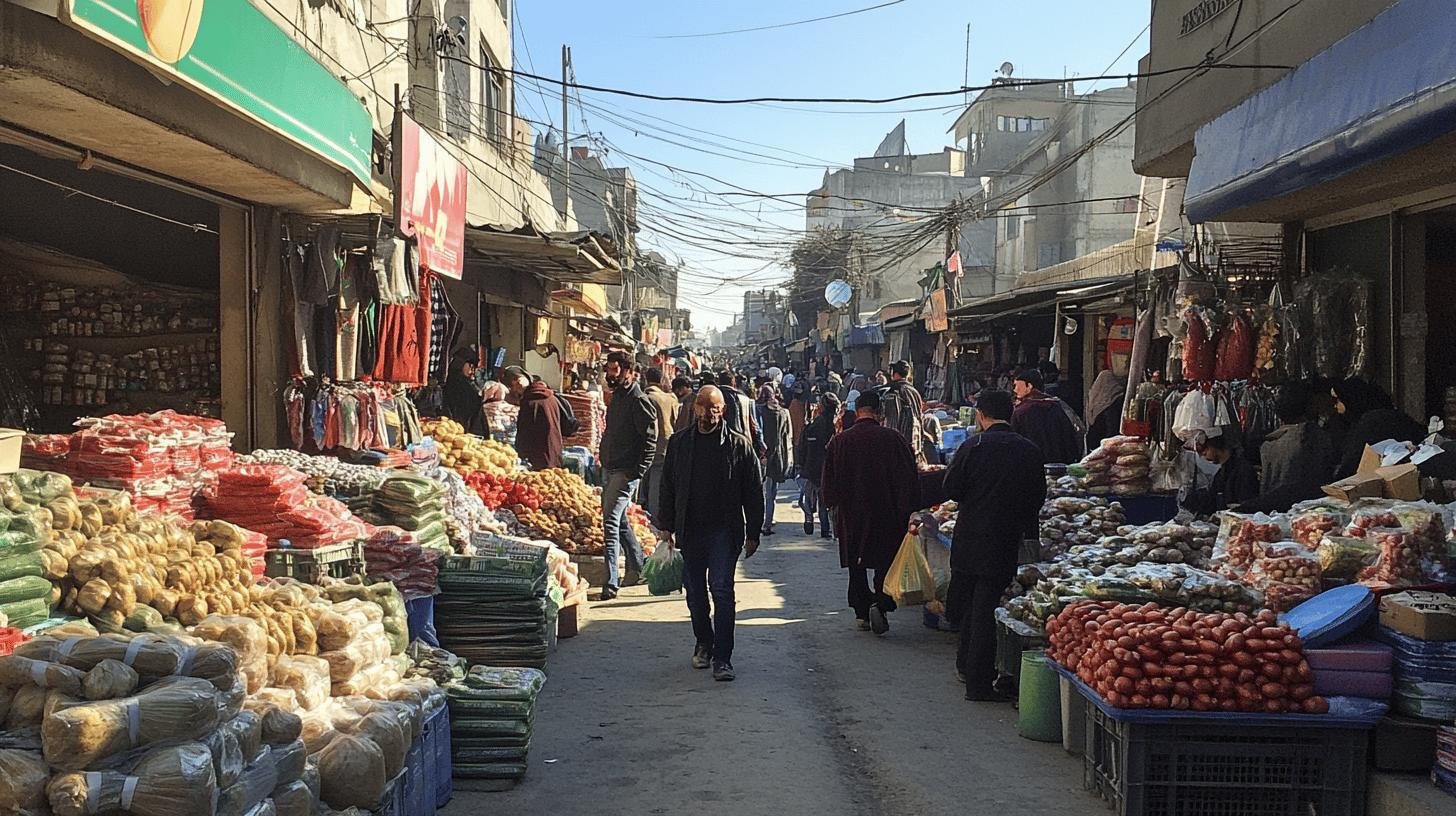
823,718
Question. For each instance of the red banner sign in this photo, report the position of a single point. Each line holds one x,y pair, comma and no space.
429,199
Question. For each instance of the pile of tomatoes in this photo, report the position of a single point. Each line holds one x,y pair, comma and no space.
498,490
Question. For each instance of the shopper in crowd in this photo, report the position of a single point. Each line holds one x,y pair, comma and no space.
934,437
904,408
461,396
538,425
881,378
1371,417
779,450
799,399
739,412
627,450
1103,410
809,454
1235,482
667,409
998,479
835,383
682,388
712,504
1040,417
870,483
1298,456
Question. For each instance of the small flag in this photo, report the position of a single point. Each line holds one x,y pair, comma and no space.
953,265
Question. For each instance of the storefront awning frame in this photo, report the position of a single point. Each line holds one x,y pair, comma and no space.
566,257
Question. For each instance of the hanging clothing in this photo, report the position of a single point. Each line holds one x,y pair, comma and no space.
444,328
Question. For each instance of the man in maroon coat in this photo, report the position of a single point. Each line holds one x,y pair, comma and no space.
538,429
870,483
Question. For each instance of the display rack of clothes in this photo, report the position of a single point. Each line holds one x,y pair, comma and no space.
1178,414
350,415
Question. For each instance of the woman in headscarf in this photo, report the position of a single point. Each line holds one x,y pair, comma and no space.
1104,407
1372,417
462,398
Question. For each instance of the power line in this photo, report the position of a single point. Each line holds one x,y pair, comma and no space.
777,25
94,197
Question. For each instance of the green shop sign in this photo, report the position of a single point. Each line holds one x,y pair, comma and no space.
231,52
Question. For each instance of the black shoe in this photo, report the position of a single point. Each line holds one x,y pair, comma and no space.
768,531
723,672
987,695
631,579
825,534
808,528
879,624
702,656
609,594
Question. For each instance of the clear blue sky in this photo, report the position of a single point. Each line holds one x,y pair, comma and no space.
911,46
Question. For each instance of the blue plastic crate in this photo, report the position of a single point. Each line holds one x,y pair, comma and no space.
419,797
439,745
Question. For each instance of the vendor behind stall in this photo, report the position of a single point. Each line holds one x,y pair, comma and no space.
1235,482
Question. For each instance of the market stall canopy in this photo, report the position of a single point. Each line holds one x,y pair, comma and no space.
799,346
568,257
1371,111
601,330
867,335
1034,299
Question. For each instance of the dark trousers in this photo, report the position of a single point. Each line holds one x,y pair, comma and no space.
975,600
862,597
811,502
708,569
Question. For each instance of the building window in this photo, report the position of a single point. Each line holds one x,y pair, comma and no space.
1001,123
492,100
1013,227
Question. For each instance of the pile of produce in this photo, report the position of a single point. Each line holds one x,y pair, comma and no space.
1170,543
1241,540
467,452
1153,657
415,503
493,609
491,712
642,528
326,475
1287,574
1309,524
1050,588
274,500
499,490
1067,522
1064,486
466,511
570,512
402,559
1120,466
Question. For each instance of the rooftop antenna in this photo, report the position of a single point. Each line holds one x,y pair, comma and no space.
966,76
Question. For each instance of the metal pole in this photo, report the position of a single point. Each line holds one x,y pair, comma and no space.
565,140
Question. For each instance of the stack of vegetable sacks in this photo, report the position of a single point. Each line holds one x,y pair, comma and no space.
27,560
354,485
493,609
1120,466
152,726
274,500
491,712
414,503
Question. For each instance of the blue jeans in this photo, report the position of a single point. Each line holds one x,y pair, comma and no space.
617,489
651,492
809,502
708,569
770,496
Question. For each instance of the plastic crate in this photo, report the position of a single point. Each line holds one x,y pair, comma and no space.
419,799
439,745
1185,768
308,566
1010,645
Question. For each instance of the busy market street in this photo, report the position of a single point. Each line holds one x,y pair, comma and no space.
822,719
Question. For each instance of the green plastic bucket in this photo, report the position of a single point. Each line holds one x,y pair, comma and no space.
1040,706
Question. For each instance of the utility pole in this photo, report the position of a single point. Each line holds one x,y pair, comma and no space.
565,140
966,77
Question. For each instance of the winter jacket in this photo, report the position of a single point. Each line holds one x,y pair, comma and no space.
538,428
667,411
903,410
744,495
999,481
870,483
809,453
1298,460
778,439
630,441
1041,419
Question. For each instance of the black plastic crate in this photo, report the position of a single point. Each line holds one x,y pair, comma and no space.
1010,644
1225,769
310,566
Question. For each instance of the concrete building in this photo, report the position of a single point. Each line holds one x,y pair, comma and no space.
764,316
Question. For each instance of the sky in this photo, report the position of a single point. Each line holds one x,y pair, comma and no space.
691,160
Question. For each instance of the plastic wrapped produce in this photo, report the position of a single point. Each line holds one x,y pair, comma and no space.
257,780
307,676
81,736
108,680
1365,519
1399,562
1310,525
277,725
23,777
16,670
1241,539
351,772
1343,557
176,781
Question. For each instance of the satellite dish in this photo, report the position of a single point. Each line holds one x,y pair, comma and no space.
1007,68
837,294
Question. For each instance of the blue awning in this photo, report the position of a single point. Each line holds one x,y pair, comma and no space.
868,335
1387,87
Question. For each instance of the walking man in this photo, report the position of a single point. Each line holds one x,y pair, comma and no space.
682,388
538,427
1040,417
667,409
809,453
779,447
712,505
870,482
627,450
998,479
904,408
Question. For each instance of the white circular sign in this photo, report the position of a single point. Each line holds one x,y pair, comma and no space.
837,294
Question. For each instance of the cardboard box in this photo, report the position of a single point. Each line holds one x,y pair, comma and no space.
1375,480
10,441
1423,615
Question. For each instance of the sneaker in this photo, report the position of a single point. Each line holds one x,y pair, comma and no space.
723,672
631,578
862,624
879,624
987,695
702,656
808,528
609,594
825,534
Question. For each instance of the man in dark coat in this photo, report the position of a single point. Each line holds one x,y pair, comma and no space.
712,503
904,408
538,428
870,483
627,449
809,453
778,449
999,481
1235,482
1041,418
1298,457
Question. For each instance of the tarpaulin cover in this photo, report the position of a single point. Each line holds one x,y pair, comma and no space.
1387,87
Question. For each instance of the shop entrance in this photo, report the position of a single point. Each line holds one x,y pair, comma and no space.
1440,313
109,293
